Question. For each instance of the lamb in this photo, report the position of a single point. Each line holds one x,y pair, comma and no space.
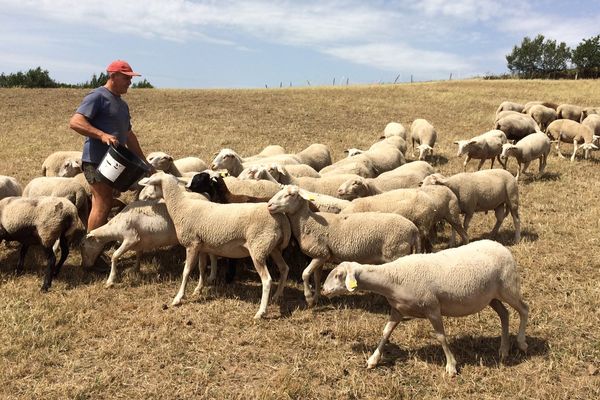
227,230
9,186
229,160
569,111
164,162
405,176
486,146
424,206
454,283
517,126
42,220
531,147
394,129
62,163
422,132
56,186
542,115
376,237
569,131
490,189
509,106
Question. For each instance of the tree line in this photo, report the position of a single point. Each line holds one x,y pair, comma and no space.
544,58
39,78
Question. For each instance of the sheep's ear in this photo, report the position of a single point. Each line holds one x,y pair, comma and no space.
350,281
144,181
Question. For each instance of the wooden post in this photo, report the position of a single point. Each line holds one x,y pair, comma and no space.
396,80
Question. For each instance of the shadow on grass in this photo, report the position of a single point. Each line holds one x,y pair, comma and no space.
530,178
507,236
468,350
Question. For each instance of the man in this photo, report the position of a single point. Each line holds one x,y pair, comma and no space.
103,117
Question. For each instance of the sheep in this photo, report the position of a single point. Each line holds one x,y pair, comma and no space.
542,115
531,147
424,206
395,141
509,106
43,220
454,283
589,111
569,111
68,188
164,162
503,114
490,189
62,163
226,230
394,129
377,237
317,156
9,186
360,164
385,156
229,160
405,176
592,121
530,104
486,146
280,172
517,126
422,132
569,131
270,150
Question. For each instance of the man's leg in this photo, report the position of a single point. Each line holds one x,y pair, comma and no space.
102,198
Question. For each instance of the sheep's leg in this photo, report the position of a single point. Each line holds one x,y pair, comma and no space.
126,245
574,150
500,214
513,298
64,253
467,159
467,221
481,163
21,262
191,259
308,271
317,281
542,166
51,263
392,323
283,273
213,269
503,314
525,166
457,228
438,326
560,155
265,278
514,211
500,161
202,271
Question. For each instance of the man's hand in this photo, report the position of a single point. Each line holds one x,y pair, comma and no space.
110,140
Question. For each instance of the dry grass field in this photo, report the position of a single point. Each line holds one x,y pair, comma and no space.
82,341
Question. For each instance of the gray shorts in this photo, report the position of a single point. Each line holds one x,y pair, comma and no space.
91,173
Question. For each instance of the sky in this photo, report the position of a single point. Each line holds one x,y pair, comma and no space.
256,43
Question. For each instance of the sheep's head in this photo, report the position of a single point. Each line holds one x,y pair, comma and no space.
90,250
159,160
353,188
353,152
70,168
433,179
425,150
277,171
463,146
287,200
227,159
508,149
341,279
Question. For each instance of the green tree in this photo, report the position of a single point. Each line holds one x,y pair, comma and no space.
586,57
143,84
34,78
538,57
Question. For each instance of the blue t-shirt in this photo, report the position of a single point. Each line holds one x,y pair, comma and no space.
110,114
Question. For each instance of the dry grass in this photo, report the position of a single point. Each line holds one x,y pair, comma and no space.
83,341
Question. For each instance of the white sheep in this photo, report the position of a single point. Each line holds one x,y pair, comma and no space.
226,230
164,162
509,106
531,147
592,121
280,172
44,221
490,189
422,132
587,111
360,164
542,115
394,129
453,283
487,146
569,131
317,156
384,155
517,126
268,151
530,104
9,186
231,161
569,111
68,188
364,237
62,163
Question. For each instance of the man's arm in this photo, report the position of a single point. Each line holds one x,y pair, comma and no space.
81,125
134,145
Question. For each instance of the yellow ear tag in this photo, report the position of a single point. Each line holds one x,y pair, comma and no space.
311,198
353,284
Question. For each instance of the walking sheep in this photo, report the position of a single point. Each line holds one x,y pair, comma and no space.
487,146
452,283
569,131
531,147
422,132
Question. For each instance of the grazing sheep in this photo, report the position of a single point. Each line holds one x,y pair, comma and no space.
592,121
517,126
531,147
67,163
163,162
454,283
68,188
424,206
42,220
503,114
317,156
226,230
490,189
405,176
229,160
530,104
589,111
9,186
487,146
376,237
509,106
542,115
569,111
396,141
422,132
281,173
569,131
394,129
361,165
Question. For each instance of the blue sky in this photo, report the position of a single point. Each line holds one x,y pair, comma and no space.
253,43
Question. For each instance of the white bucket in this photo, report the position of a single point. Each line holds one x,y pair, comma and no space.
110,168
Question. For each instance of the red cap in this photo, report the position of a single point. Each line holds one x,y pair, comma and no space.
122,67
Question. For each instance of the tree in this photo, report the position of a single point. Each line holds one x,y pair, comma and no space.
34,78
586,57
143,84
538,57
